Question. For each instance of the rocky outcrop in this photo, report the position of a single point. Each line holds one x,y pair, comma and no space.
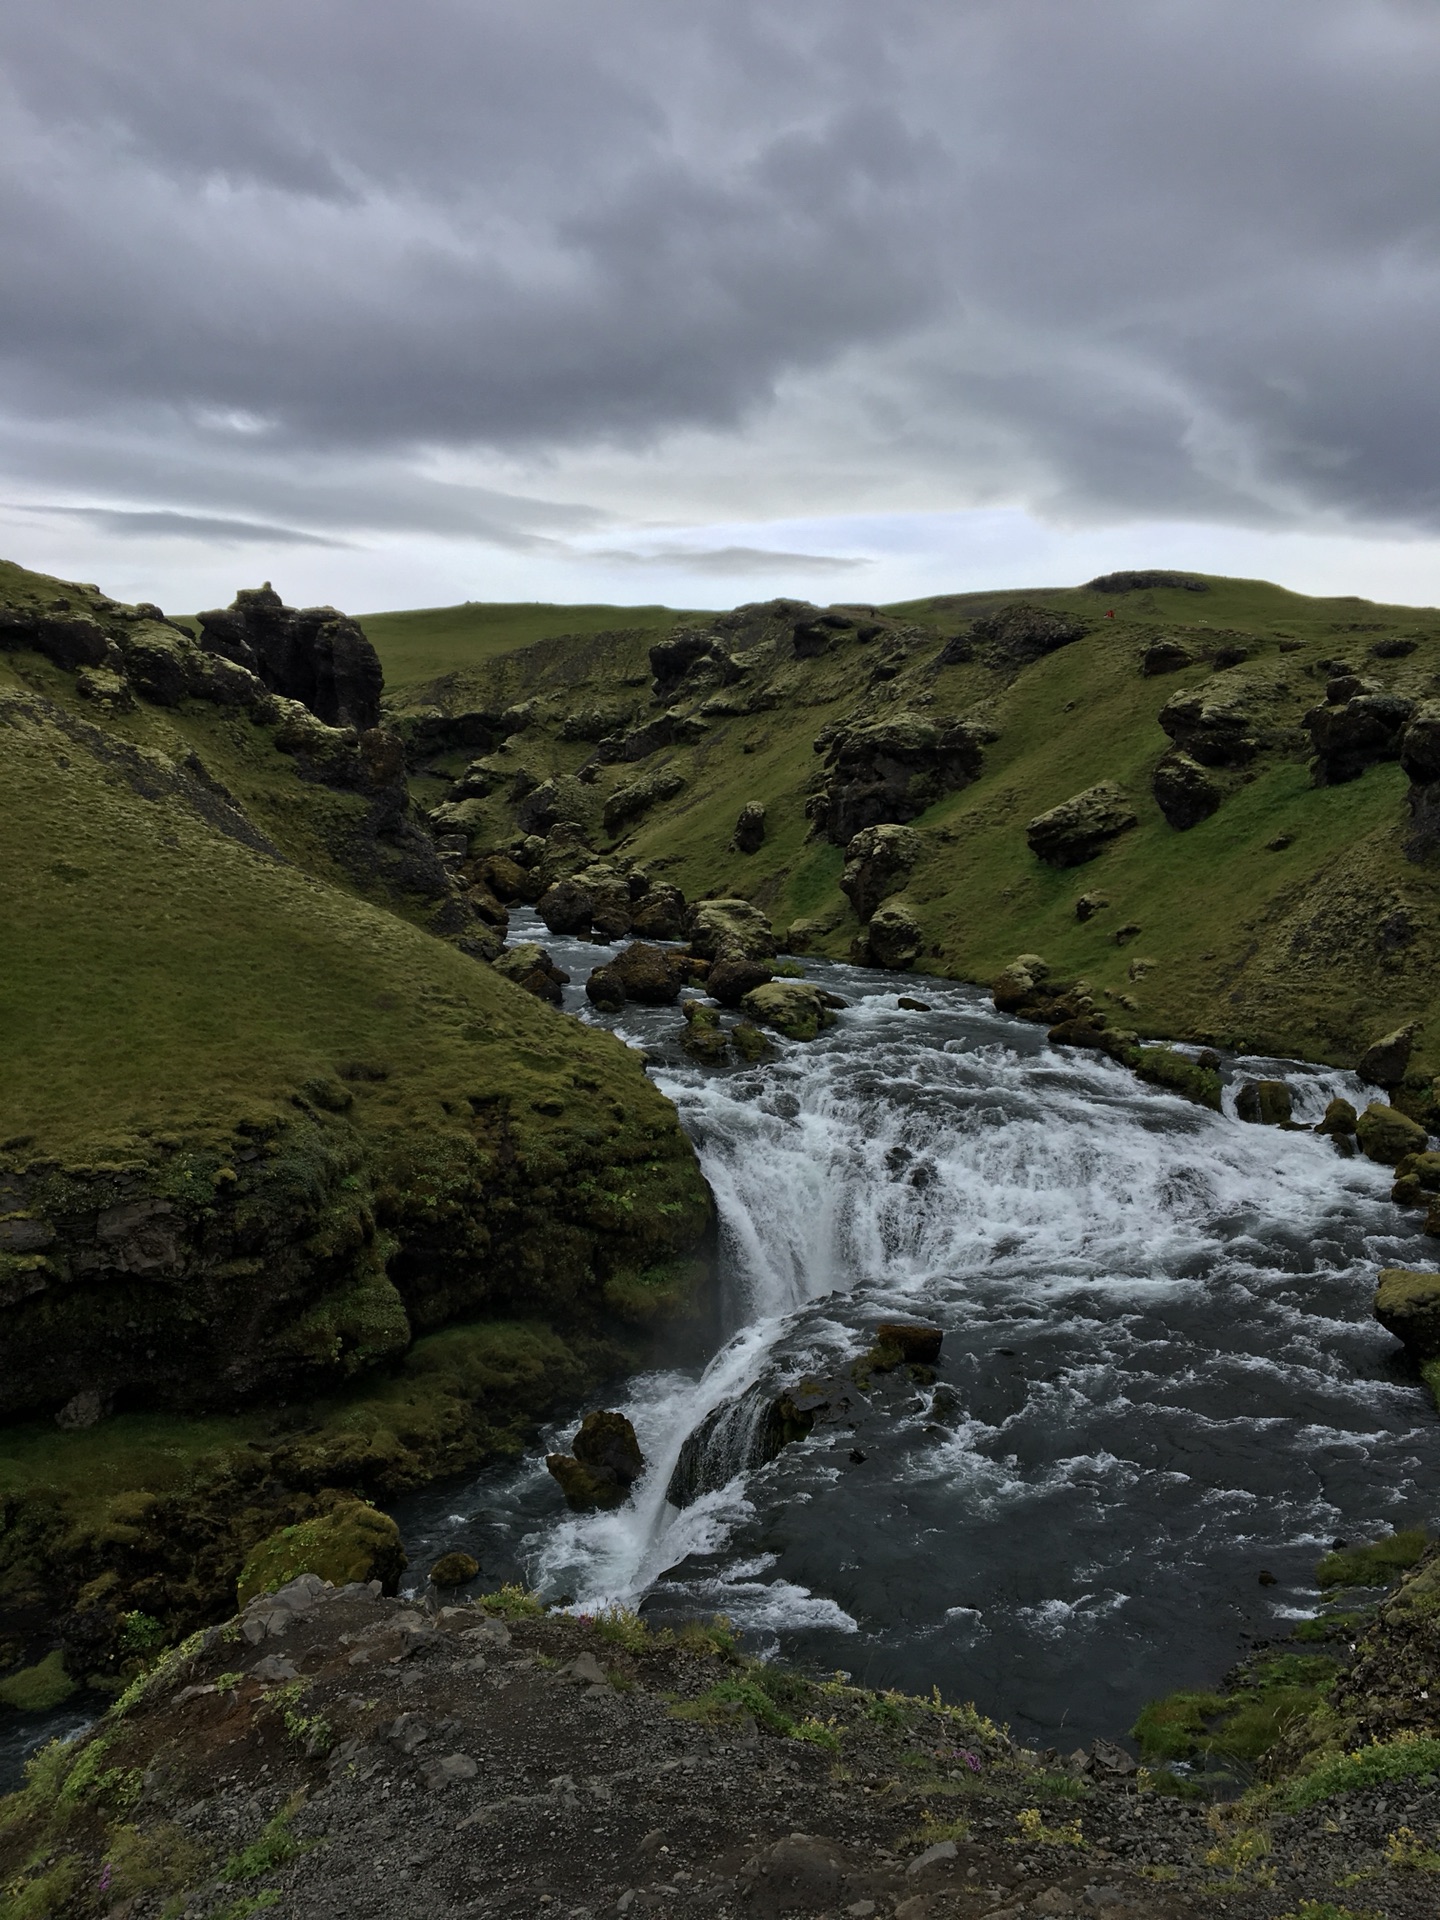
315,655
893,769
749,834
1383,1062
596,899
1081,827
693,660
352,1541
1420,761
1140,580
1352,733
892,939
530,967
730,930
1184,792
792,1007
1220,724
629,802
1017,634
1165,656
877,863
605,1464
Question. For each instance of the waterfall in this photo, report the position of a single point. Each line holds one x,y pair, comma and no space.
1159,1374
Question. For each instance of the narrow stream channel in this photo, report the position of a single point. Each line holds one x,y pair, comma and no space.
1160,1376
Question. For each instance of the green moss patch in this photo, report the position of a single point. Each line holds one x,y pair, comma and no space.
1375,1565
352,1542
40,1688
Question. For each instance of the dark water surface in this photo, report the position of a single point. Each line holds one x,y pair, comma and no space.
1160,1374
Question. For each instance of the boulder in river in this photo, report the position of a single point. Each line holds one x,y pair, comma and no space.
454,1569
704,1039
791,1007
730,930
1265,1103
1387,1135
728,981
659,913
1080,827
1407,1304
1340,1118
912,1344
606,1463
1383,1062
648,975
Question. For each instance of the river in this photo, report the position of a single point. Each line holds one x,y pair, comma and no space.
1160,1378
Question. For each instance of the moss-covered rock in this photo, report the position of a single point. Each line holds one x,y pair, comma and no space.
40,1688
1267,1103
893,938
1407,1304
1387,1135
703,1037
1079,828
792,1007
750,1043
730,930
1340,1118
454,1569
353,1541
606,1462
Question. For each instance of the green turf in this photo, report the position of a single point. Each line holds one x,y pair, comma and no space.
430,641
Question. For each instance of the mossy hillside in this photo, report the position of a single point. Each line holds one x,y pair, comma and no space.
256,1128
134,1532
1289,920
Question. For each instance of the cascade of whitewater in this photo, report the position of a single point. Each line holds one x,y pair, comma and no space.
944,1165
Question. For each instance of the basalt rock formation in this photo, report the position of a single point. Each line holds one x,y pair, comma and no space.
315,655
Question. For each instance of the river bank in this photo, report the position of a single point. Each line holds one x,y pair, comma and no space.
334,1753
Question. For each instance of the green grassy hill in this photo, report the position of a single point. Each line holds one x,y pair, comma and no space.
430,642
1291,919
264,1122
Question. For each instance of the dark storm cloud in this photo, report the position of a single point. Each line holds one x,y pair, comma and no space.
1140,256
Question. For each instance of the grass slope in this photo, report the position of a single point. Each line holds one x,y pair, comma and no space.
426,643
1313,947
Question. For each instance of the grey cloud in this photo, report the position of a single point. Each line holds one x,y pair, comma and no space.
723,561
136,523
1117,259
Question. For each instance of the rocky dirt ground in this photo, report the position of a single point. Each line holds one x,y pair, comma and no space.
343,1754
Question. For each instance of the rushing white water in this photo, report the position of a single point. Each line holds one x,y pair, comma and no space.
1159,1375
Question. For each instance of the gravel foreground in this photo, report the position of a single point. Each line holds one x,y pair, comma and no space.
343,1754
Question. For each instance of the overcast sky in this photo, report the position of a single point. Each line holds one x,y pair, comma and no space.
704,300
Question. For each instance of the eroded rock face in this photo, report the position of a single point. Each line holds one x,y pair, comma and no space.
627,803
314,655
1079,828
1420,760
1165,656
1184,792
892,769
1359,733
878,862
